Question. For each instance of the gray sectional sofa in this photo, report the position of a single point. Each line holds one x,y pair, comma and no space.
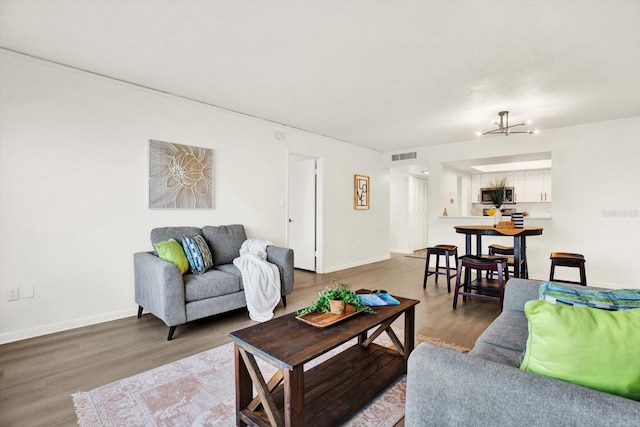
177,299
486,388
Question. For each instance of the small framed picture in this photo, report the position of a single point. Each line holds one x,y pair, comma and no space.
361,192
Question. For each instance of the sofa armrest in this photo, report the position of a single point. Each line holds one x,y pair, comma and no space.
159,288
283,258
445,387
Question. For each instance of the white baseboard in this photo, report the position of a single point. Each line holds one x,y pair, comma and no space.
64,326
401,251
356,264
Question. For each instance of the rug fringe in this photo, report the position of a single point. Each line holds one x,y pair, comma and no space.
441,343
85,410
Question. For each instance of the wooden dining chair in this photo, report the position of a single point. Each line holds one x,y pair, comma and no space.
566,259
508,251
488,289
446,251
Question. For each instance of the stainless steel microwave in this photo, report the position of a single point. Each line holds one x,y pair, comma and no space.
508,199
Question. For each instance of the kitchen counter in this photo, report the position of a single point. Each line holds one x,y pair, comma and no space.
504,218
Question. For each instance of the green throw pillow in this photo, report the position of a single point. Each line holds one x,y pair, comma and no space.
595,348
172,251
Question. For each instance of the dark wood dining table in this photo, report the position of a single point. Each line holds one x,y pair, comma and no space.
519,242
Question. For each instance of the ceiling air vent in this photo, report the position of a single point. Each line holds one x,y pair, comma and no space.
404,156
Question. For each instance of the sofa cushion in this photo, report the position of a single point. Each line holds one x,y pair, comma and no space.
232,269
224,242
608,299
212,283
509,330
594,348
163,234
198,253
172,251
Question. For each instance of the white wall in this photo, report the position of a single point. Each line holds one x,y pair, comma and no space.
448,194
596,197
73,181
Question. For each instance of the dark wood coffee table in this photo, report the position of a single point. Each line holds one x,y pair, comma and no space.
331,392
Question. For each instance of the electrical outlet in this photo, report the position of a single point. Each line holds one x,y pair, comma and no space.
13,294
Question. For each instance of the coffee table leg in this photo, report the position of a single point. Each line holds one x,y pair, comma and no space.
362,338
294,396
409,331
243,385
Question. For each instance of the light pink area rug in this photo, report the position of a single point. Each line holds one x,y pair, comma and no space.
200,391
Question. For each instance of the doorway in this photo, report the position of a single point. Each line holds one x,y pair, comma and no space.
418,213
302,218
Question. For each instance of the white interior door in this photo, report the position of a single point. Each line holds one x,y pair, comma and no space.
418,191
302,211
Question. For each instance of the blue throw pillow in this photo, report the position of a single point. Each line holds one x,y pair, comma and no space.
198,253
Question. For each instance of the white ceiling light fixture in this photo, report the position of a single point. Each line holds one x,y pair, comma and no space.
504,128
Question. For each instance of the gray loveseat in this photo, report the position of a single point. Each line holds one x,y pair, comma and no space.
177,299
486,388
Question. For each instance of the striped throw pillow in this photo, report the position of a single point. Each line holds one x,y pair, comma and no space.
607,299
198,253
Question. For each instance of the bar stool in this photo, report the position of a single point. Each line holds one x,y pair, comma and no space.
481,286
566,259
447,251
507,250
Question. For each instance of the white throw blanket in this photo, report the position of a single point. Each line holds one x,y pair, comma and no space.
261,279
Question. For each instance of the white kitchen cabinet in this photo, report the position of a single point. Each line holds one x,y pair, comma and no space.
518,185
537,186
491,178
546,179
487,179
531,186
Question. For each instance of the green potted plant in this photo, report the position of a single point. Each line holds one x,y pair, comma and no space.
497,189
342,296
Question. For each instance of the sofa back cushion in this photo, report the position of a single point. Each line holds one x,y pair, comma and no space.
163,234
224,242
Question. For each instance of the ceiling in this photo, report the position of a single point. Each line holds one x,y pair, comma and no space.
380,74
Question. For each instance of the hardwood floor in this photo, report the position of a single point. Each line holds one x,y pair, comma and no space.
38,375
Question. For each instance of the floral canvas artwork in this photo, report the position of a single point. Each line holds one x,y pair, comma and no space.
180,176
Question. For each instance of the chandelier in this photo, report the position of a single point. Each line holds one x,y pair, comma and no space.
505,128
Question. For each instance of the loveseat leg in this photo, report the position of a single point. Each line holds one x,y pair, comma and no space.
140,311
284,300
172,329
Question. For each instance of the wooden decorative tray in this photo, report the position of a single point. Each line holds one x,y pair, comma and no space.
322,320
